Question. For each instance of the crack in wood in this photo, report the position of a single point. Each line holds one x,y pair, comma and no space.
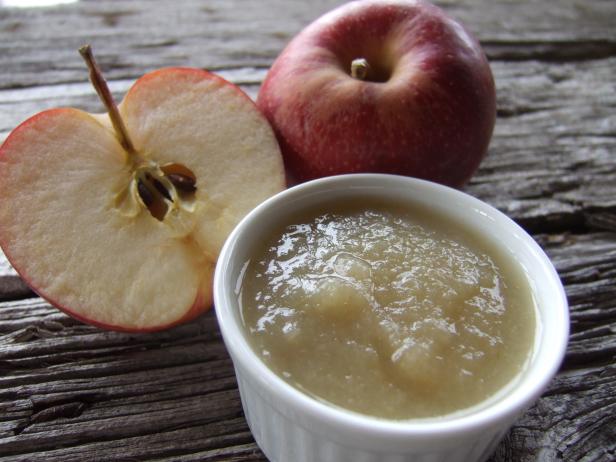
550,50
66,410
112,18
14,288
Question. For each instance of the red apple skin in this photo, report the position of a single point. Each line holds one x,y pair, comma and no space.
432,118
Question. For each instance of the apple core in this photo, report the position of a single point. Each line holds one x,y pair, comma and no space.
159,189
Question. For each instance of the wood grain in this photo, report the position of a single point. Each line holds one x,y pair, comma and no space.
71,392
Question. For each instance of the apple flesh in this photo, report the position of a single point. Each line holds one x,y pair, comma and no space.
129,240
382,86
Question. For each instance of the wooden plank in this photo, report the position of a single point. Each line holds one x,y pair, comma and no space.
575,420
550,164
134,36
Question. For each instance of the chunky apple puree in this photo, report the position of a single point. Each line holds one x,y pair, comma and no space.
395,313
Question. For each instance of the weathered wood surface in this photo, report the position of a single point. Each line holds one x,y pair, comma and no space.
72,392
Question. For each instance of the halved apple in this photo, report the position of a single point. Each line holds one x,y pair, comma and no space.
127,238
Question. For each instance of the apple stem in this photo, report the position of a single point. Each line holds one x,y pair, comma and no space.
359,68
100,85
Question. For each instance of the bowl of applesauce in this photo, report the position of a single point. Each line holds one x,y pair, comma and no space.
384,318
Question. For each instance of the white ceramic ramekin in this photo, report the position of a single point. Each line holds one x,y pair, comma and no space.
290,426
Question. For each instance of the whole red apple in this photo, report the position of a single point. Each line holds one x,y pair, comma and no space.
382,86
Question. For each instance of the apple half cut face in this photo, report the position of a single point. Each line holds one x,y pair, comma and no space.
129,242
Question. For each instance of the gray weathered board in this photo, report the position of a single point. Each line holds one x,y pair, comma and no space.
73,392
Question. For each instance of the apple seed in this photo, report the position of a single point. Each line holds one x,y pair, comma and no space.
144,193
182,182
159,187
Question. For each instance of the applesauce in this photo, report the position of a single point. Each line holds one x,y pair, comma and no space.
387,311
